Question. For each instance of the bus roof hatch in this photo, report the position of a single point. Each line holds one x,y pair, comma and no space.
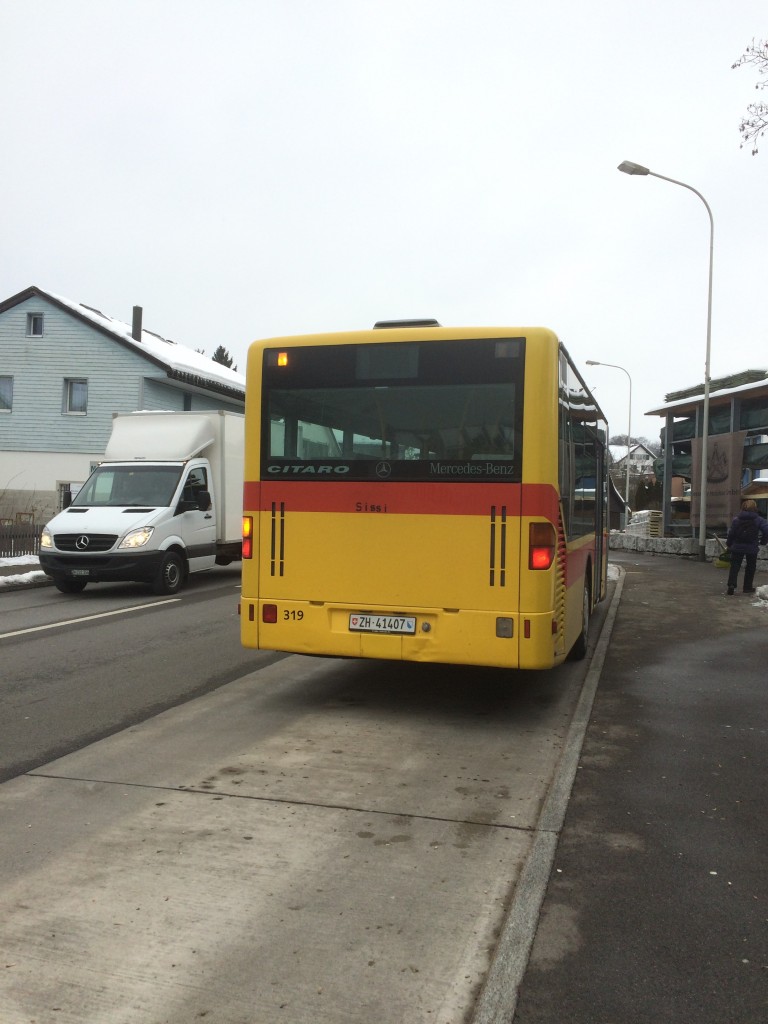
386,324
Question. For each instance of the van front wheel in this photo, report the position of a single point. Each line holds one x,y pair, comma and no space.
67,586
170,575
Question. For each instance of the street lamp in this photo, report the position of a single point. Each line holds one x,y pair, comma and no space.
594,362
630,168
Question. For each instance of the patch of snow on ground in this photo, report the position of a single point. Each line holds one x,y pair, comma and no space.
23,577
27,577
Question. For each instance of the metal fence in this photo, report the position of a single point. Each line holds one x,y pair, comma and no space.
19,539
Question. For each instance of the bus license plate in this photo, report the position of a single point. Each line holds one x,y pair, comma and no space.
360,623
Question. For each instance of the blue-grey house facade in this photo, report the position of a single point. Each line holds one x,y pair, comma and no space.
65,368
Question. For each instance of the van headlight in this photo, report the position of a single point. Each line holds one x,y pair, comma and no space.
137,538
46,540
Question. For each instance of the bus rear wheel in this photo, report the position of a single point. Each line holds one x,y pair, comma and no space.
579,649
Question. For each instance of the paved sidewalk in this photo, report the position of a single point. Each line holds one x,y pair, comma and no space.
657,903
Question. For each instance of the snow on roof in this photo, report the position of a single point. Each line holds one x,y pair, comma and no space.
175,356
691,401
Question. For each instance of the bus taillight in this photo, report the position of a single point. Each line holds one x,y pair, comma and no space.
541,545
247,536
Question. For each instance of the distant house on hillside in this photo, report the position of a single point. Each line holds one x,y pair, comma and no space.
641,460
65,368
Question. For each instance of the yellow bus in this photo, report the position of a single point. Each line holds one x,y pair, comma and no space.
422,493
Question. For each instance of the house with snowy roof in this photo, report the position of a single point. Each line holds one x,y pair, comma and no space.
65,368
641,459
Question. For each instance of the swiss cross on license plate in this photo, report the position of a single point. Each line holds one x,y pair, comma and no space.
362,622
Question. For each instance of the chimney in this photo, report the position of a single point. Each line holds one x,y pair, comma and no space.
136,329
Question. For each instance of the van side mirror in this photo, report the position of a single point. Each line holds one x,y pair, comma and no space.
203,500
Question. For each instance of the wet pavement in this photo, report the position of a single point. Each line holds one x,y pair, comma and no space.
657,902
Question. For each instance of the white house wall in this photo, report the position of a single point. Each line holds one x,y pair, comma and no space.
30,481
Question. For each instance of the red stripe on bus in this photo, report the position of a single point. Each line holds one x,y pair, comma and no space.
460,499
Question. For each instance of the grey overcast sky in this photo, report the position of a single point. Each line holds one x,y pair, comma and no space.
251,168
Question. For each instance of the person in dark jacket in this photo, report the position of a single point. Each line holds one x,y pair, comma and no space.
748,530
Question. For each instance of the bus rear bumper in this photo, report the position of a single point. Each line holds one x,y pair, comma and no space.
451,636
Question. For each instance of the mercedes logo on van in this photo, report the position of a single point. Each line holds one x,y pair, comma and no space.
82,543
383,470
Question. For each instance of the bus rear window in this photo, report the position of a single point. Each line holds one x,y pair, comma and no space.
408,411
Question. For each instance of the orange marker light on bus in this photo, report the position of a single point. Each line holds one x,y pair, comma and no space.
282,358
541,540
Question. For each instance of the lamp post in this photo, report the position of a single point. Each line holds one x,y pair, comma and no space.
631,168
594,362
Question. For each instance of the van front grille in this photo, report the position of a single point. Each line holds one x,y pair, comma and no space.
87,543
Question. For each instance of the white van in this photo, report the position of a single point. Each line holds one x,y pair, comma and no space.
167,501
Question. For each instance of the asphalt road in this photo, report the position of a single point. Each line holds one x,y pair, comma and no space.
78,667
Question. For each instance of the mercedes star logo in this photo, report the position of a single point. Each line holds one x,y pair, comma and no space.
383,470
82,543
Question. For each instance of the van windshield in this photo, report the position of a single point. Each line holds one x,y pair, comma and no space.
119,486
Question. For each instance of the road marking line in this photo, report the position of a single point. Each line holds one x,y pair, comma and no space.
89,618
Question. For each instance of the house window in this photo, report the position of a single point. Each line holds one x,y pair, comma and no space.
76,397
6,394
34,325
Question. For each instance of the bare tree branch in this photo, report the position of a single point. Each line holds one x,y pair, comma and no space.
754,126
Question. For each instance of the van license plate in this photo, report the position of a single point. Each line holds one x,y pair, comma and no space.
362,623
81,572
